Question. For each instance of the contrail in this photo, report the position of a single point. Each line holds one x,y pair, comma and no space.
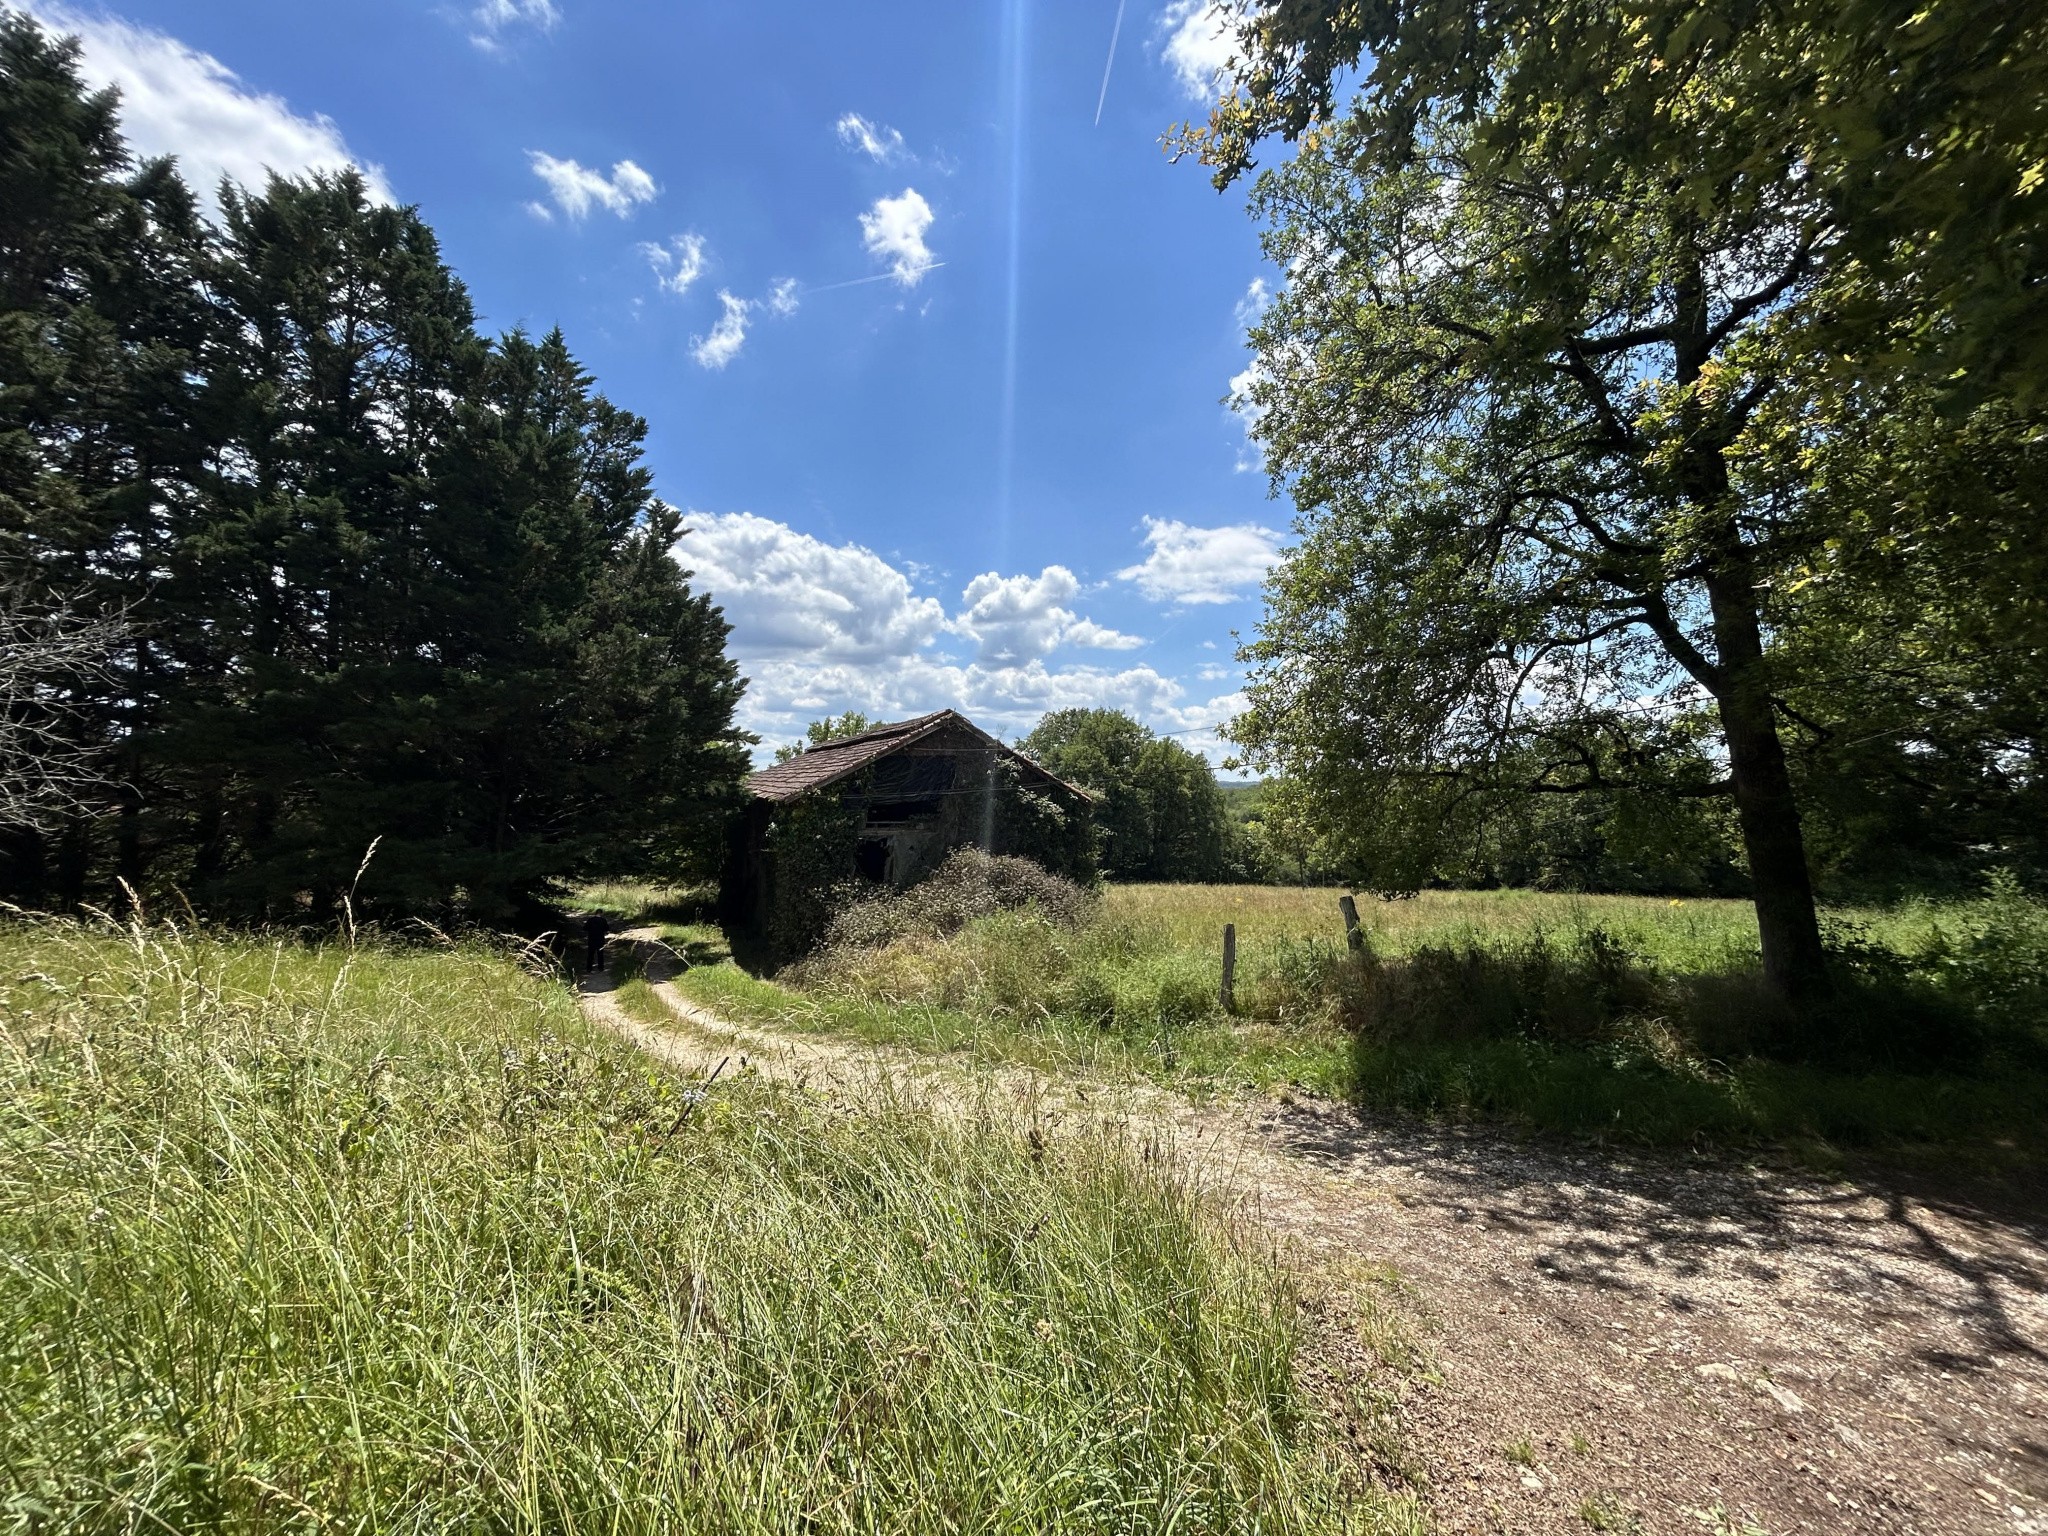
879,277
1109,63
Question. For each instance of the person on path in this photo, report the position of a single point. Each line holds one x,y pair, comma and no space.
595,931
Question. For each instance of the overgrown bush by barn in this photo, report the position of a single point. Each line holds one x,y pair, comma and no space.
810,846
968,885
819,836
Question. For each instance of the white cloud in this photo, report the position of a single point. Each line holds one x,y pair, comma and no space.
789,594
1242,385
1088,633
727,337
782,296
577,189
1253,304
1199,727
1202,565
1017,619
178,101
877,141
821,627
678,264
1199,46
493,18
894,229
785,694
1244,401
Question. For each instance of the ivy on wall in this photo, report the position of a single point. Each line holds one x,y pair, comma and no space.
1036,825
810,848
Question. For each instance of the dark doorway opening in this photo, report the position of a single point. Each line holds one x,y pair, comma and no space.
871,859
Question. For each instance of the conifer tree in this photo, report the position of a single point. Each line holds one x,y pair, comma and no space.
99,325
386,581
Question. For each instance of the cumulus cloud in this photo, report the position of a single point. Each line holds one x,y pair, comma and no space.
821,627
577,189
726,338
178,101
1016,619
1095,637
894,230
877,141
678,264
784,695
1199,45
789,594
1244,393
494,18
1202,565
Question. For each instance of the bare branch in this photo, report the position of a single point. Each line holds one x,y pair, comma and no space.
51,652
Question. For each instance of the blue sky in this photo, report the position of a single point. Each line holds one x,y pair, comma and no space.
933,358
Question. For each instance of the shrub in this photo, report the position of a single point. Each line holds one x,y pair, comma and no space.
970,884
809,846
1568,992
1594,989
1993,956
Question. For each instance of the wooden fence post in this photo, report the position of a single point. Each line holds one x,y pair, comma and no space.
1353,934
1229,996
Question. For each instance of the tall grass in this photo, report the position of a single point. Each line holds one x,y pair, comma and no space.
637,901
1634,1017
297,1238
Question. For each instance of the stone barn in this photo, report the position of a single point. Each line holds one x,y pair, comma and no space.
883,809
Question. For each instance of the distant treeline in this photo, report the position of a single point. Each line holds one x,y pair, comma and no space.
1162,815
374,574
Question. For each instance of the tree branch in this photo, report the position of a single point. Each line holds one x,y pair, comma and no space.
49,765
1746,306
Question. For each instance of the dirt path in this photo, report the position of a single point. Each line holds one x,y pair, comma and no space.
1692,1346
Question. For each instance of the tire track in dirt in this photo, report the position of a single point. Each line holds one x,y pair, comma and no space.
1690,1345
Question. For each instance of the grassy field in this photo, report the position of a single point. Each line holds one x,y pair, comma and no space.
1637,1018
378,1240
636,901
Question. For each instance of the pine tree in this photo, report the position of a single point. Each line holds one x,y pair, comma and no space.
99,324
388,581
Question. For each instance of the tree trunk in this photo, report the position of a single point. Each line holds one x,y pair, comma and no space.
1795,964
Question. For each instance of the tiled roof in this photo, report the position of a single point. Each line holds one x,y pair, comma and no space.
835,760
